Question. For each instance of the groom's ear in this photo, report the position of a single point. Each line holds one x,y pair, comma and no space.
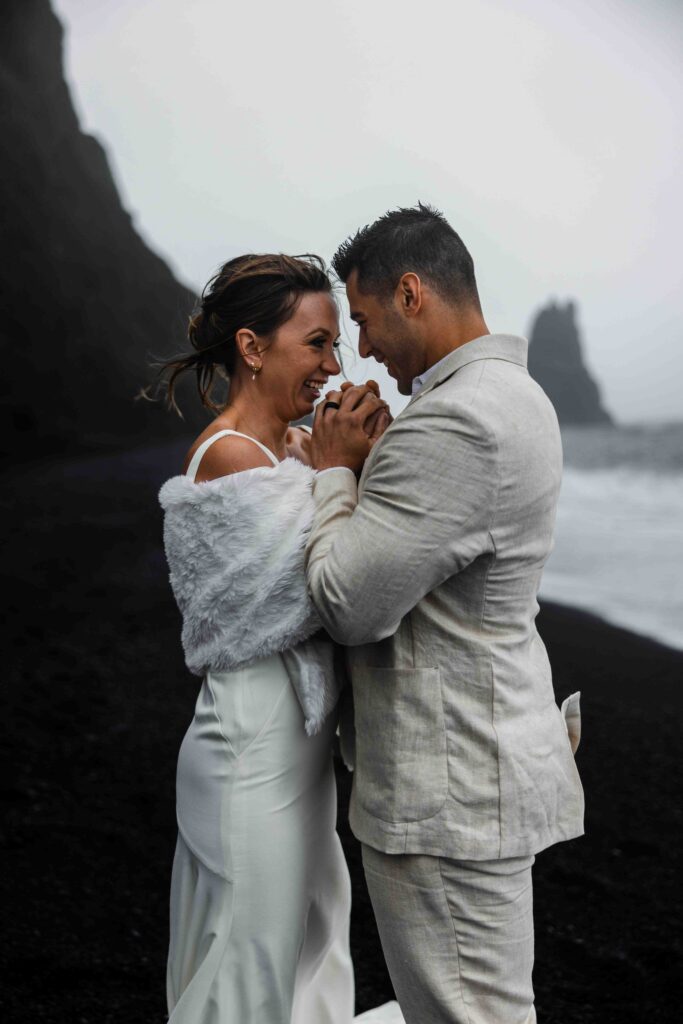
409,294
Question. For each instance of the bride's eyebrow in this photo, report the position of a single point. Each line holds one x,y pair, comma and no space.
318,331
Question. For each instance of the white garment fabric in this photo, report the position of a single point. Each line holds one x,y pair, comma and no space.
260,890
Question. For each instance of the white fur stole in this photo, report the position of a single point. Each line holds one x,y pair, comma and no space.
235,549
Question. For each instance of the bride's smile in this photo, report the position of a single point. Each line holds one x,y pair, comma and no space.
297,360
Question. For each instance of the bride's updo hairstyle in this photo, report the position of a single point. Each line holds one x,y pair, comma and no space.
258,293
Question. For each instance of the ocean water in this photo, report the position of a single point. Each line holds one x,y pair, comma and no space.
619,534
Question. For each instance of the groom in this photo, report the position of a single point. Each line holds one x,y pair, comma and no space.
428,568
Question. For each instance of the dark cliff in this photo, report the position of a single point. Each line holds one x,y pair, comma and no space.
85,303
556,362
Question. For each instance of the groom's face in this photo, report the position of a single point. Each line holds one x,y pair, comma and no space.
385,334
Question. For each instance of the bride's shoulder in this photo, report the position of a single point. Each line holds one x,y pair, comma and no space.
225,456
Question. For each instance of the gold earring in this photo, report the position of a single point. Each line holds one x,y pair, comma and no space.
255,369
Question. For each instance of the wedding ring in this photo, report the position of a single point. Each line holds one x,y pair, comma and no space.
331,405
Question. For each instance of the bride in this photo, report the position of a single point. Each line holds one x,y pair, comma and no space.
260,891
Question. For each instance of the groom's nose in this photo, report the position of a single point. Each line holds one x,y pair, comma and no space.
364,348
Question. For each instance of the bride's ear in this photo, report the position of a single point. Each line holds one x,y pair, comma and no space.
248,346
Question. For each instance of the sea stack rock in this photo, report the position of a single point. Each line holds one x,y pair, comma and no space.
556,362
86,305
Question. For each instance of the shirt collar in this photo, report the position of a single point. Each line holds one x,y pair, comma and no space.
509,347
422,378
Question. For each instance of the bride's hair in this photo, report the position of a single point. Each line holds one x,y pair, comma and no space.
257,292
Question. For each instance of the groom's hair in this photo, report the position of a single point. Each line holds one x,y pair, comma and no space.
417,239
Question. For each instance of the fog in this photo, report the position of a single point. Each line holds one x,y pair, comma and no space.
548,133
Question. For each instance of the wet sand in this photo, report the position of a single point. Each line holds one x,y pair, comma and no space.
96,700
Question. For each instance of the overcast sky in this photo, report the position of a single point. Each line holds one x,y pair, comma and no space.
548,132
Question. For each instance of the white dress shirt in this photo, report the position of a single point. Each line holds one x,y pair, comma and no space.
422,378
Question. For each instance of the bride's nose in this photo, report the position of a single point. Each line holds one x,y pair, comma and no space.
331,365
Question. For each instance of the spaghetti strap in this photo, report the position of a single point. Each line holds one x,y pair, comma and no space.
198,455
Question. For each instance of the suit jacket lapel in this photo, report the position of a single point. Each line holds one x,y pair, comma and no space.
509,347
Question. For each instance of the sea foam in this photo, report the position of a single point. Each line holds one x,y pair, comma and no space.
619,533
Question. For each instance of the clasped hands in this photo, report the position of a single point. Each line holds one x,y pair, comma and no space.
347,424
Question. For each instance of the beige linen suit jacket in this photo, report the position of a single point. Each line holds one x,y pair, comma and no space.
428,570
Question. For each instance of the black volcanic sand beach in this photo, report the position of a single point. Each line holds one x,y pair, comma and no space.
96,700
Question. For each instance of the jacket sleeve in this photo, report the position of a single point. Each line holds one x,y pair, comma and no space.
424,515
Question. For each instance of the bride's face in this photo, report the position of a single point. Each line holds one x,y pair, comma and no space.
301,357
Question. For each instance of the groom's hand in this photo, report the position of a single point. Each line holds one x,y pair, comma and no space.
340,434
378,420
377,424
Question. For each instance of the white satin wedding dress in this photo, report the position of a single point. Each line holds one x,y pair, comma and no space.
260,890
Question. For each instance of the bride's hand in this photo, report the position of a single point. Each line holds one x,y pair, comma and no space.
339,434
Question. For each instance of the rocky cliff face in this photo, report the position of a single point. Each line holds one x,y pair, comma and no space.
85,303
556,362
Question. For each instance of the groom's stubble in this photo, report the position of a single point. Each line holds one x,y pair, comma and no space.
386,334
